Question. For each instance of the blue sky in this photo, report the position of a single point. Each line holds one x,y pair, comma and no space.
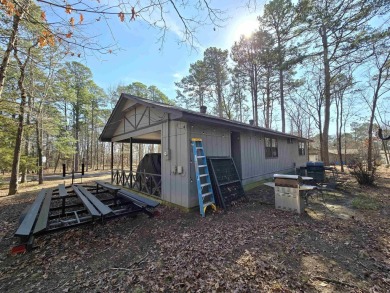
139,57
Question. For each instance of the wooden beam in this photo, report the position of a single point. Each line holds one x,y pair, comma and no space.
142,116
130,122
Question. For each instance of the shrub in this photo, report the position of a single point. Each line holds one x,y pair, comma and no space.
363,175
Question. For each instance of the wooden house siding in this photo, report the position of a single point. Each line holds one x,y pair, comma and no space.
147,121
255,166
175,186
216,142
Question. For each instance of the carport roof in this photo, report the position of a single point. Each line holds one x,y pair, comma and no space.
178,113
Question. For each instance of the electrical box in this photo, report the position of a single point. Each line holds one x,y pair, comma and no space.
167,154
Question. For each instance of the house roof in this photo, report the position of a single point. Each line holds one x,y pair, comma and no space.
343,151
178,113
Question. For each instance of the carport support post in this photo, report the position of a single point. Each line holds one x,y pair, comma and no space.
122,155
131,162
112,162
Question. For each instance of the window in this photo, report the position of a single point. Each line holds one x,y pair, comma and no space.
271,147
290,140
301,148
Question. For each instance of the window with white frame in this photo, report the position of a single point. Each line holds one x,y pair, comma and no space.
302,148
271,147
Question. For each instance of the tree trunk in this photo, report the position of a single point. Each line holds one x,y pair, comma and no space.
14,181
256,115
39,133
325,131
56,164
219,94
77,131
14,184
7,53
47,153
339,149
92,139
370,128
87,145
281,88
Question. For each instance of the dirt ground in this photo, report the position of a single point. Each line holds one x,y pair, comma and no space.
340,244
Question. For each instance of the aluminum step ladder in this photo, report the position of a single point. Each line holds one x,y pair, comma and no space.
205,190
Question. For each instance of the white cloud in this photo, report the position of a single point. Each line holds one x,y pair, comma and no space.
177,75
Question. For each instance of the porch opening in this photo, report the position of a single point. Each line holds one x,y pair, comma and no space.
137,163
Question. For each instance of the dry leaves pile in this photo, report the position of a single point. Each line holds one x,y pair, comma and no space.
252,248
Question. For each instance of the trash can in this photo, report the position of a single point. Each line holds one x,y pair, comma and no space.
316,170
287,196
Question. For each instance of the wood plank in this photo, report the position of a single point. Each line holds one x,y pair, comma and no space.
139,198
62,191
44,213
29,220
104,210
86,202
107,186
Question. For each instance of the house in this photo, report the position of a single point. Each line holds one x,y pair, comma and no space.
314,155
257,152
348,155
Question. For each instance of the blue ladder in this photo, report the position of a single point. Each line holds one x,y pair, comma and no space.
205,190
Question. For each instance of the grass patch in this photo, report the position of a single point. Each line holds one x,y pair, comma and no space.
255,184
365,203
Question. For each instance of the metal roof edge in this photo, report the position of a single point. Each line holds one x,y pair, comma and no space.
185,114
236,124
110,118
167,108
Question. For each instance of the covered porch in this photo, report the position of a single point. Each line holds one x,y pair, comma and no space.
136,163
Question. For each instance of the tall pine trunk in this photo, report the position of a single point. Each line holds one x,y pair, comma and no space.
14,181
11,43
39,133
327,95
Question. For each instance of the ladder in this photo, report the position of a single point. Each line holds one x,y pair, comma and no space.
205,190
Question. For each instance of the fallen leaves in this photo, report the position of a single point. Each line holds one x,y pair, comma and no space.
251,248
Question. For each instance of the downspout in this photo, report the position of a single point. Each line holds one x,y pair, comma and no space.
131,162
112,162
167,152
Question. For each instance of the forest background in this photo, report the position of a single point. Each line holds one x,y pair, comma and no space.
316,69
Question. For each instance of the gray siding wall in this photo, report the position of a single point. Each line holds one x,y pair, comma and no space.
216,142
255,166
176,151
174,141
175,186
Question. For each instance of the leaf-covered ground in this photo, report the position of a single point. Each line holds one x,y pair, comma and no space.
341,243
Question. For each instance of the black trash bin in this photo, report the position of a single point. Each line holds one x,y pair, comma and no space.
316,170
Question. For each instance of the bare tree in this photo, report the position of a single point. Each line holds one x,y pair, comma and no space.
378,85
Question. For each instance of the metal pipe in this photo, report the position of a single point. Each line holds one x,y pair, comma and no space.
112,162
131,162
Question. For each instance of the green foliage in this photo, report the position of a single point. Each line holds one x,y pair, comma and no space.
143,91
64,145
365,203
195,88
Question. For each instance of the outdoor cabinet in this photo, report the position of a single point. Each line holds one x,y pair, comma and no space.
287,196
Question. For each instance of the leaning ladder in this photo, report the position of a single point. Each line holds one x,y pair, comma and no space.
205,190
